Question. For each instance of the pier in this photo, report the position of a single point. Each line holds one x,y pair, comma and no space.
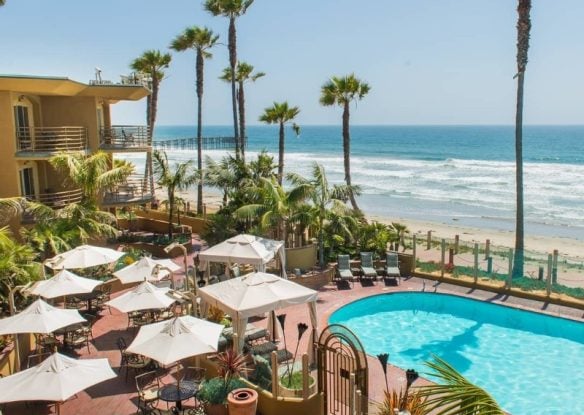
190,143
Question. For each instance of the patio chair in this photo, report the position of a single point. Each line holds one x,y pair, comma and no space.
235,271
344,269
87,327
78,338
392,267
135,362
103,298
367,268
74,303
148,386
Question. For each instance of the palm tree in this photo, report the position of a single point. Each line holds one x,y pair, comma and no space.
342,91
232,9
151,64
93,173
16,263
328,204
199,39
179,178
243,74
455,395
281,113
523,29
275,207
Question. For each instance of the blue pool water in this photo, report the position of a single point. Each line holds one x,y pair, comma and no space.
529,362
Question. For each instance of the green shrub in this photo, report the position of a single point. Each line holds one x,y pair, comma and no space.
215,391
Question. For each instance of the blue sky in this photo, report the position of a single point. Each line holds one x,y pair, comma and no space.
427,61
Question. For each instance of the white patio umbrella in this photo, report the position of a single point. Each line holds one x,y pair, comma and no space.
146,269
39,317
176,339
143,297
84,256
55,379
63,284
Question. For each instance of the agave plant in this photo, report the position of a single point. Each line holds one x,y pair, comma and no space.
455,394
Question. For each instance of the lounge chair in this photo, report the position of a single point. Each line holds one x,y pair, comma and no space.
392,267
367,269
344,269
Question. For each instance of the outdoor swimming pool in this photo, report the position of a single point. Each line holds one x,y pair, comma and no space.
530,363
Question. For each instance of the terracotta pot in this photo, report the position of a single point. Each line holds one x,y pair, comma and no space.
242,401
216,409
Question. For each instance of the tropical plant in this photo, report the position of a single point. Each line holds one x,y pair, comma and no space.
274,206
151,65
406,400
288,379
93,174
243,74
342,91
16,263
523,30
232,9
455,394
199,39
328,206
173,179
230,366
281,113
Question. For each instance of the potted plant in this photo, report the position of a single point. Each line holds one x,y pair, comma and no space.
291,384
402,402
213,392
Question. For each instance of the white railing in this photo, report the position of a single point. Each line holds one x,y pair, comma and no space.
136,189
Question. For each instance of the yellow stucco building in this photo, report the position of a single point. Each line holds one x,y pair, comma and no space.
42,116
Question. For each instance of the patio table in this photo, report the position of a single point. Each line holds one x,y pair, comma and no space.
89,297
177,393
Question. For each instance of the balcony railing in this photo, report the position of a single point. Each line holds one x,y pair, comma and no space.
125,137
51,139
58,200
135,190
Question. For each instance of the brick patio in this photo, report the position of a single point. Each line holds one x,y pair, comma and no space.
118,397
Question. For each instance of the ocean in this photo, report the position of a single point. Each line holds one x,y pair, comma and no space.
462,175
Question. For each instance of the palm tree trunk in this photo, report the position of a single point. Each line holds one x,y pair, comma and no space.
232,46
170,214
523,29
241,97
347,153
281,155
199,69
321,244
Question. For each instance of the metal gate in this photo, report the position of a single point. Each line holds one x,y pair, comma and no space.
342,372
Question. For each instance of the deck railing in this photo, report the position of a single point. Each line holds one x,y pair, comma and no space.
51,139
125,137
136,189
58,199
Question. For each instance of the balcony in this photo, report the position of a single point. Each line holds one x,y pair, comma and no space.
125,138
55,200
40,142
135,191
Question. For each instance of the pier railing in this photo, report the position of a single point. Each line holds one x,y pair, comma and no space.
190,143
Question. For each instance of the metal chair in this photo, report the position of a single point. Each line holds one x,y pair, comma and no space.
78,338
367,268
148,386
392,267
344,269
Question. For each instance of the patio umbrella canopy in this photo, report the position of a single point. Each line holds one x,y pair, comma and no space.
63,284
39,317
176,339
145,269
244,249
84,256
254,294
143,297
55,379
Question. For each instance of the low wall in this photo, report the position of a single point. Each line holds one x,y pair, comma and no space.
150,225
197,225
315,280
303,257
158,250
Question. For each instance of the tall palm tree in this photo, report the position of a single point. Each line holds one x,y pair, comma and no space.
328,203
151,64
281,113
93,173
232,9
342,91
199,39
243,74
523,29
178,178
